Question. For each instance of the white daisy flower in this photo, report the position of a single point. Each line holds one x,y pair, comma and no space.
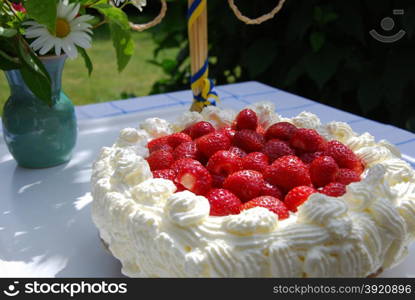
71,31
137,3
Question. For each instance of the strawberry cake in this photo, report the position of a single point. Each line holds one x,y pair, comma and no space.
252,194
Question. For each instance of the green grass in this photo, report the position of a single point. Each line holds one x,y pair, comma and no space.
106,83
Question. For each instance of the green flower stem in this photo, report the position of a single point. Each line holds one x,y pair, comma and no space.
104,21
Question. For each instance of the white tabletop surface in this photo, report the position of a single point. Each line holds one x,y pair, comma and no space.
45,224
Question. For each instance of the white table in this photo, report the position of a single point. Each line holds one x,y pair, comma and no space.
45,224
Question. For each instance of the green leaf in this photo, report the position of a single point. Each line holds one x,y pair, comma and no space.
317,40
34,73
120,33
299,23
323,65
294,72
43,11
87,60
123,43
7,32
168,65
329,17
260,56
7,62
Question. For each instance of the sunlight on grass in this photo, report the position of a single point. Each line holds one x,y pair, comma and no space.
106,83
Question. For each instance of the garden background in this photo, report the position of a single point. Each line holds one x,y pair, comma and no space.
319,49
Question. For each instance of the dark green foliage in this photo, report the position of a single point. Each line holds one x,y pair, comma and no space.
319,49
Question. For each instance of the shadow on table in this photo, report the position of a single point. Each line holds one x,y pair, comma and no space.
51,232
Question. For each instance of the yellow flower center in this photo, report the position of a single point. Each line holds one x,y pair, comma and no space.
63,28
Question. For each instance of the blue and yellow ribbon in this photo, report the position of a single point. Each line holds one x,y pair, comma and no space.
200,81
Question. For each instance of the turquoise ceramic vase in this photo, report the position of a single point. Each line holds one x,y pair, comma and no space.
38,135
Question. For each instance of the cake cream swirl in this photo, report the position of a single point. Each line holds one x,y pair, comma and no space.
157,232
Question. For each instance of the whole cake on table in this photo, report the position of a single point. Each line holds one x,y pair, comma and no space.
252,194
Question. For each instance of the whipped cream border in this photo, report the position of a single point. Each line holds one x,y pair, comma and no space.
157,232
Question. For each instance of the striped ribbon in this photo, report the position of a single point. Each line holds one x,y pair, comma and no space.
200,81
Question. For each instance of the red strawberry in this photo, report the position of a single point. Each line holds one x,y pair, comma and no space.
178,164
260,130
158,144
246,184
195,178
323,170
288,172
248,140
223,203
186,150
269,189
344,156
187,130
178,138
273,204
281,130
165,147
276,148
238,151
228,131
307,140
347,176
256,161
165,174
308,157
334,189
224,163
298,196
160,159
246,119
217,180
200,129
213,142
